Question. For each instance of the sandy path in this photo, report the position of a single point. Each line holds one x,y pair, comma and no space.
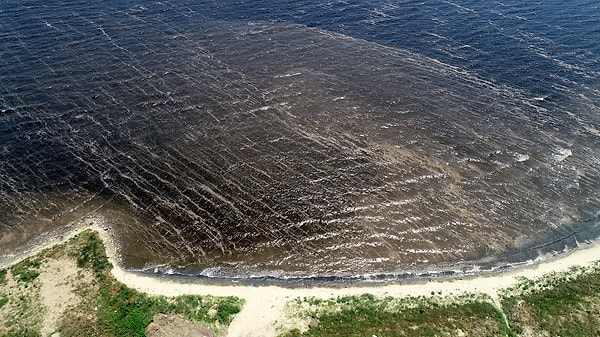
264,304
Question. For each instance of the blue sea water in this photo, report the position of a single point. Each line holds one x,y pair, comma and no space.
303,138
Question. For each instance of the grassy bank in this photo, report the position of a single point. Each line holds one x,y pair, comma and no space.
75,278
557,304
366,315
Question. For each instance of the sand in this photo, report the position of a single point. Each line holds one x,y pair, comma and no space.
264,308
58,289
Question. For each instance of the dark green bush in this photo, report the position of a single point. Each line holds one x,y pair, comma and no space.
26,270
92,253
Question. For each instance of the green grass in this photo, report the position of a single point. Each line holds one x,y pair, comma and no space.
107,307
123,311
558,304
24,317
89,252
3,300
23,332
27,270
367,315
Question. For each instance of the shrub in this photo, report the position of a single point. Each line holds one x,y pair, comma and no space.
92,253
26,270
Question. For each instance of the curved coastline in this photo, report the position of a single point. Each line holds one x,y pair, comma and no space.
266,300
265,303
563,259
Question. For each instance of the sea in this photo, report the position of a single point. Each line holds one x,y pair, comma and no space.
321,140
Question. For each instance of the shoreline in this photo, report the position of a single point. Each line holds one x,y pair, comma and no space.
265,302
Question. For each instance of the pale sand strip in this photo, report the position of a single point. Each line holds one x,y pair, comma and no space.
265,304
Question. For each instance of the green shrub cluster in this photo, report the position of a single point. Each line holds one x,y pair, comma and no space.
124,311
27,270
107,307
206,308
92,253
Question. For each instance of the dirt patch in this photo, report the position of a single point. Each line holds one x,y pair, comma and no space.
176,326
59,280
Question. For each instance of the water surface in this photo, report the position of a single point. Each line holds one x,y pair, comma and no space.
301,139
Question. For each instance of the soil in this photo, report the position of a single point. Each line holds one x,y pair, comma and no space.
176,326
59,280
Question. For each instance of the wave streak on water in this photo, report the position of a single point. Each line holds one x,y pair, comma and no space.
356,138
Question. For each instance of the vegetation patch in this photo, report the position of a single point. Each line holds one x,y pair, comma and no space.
27,270
557,304
3,300
21,313
124,311
89,252
106,306
367,315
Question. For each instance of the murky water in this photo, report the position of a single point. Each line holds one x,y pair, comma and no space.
303,139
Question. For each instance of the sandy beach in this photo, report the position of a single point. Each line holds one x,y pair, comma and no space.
264,308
